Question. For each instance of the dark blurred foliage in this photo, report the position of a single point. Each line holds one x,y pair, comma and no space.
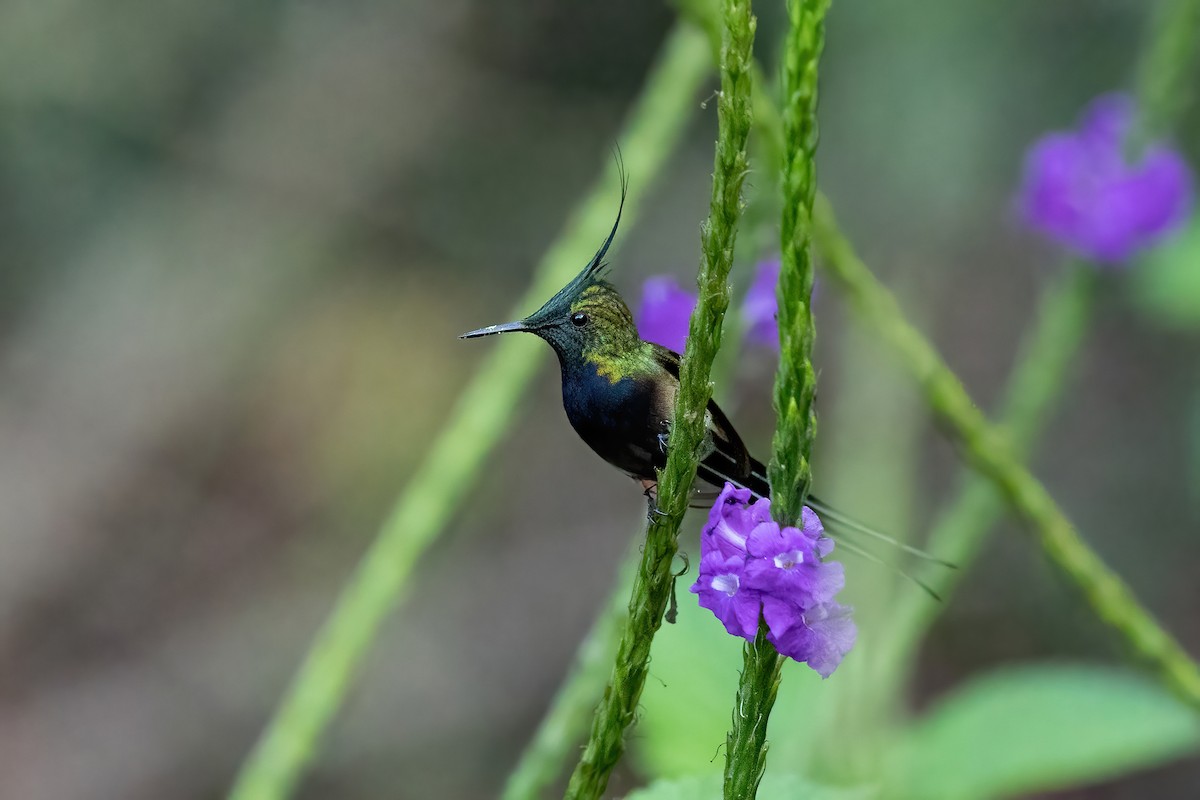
238,240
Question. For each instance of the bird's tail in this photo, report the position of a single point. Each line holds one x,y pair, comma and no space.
847,530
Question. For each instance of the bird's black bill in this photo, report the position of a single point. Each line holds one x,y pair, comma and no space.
508,327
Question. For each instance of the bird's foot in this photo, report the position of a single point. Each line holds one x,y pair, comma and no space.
650,490
653,512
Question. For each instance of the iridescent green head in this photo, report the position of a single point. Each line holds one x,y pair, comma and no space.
586,320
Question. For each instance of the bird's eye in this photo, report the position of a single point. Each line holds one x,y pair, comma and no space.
579,319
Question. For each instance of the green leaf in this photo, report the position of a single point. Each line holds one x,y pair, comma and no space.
774,787
1038,728
1167,281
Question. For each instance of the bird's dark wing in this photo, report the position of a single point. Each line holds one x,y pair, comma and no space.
729,460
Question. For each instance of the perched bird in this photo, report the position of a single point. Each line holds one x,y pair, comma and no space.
619,391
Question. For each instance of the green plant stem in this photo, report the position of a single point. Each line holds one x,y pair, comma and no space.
482,415
746,743
570,711
790,470
990,453
652,584
1166,74
1044,363
567,719
767,120
1043,368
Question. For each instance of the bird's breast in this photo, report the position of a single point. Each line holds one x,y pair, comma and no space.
615,419
591,398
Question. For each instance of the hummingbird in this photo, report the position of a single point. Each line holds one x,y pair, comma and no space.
619,391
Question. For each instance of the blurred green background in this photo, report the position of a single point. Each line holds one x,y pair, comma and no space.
238,241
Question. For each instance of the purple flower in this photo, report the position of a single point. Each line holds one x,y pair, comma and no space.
760,305
664,312
729,520
787,561
823,634
1082,190
722,591
751,567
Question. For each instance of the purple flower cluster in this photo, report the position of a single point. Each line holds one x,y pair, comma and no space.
666,307
1082,189
752,567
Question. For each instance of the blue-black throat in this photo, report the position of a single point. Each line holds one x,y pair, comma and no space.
619,396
